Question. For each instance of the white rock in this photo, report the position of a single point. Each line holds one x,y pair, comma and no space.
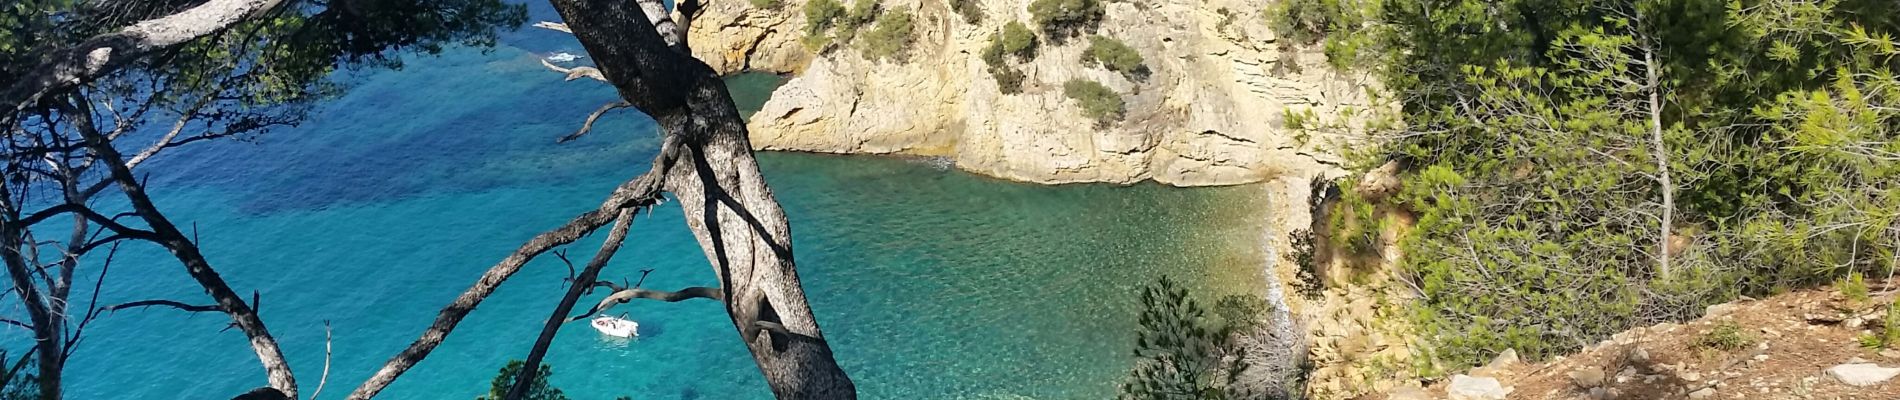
1464,387
1862,374
1702,394
1587,377
1505,359
1408,393
1639,355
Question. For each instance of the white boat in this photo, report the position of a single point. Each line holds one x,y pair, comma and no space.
616,327
563,57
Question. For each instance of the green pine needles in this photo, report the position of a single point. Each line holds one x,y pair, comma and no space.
1178,350
1578,172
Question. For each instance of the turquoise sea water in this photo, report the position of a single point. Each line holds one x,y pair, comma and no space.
930,283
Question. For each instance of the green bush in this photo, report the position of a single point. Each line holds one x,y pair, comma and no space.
1015,40
1098,101
1356,225
1340,23
1116,56
1854,287
765,4
863,12
537,390
1178,352
891,38
1062,19
17,381
821,15
1008,80
1726,335
971,10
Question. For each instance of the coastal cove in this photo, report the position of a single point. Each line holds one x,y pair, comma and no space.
932,282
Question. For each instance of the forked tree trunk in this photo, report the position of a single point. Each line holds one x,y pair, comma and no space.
728,207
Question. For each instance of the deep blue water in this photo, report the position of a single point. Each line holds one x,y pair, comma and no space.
389,201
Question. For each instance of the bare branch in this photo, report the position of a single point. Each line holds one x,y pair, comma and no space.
638,193
167,303
10,321
553,26
623,296
325,377
575,288
589,125
576,72
186,251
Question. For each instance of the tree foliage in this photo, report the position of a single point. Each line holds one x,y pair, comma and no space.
970,10
1237,352
1580,168
539,389
1116,56
1179,351
258,72
16,380
891,38
1063,19
1098,102
1344,26
821,15
1015,40
828,21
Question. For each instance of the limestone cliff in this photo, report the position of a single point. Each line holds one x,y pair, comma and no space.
1210,113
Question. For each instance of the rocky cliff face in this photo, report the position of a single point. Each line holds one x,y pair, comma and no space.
1211,112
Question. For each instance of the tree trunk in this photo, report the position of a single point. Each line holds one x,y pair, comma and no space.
1661,150
728,207
48,343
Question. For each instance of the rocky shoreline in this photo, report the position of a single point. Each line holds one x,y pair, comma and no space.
1212,111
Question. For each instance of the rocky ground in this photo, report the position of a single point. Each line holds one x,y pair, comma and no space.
1801,345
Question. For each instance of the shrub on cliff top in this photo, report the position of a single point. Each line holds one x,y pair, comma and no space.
891,38
863,12
1062,19
1098,101
820,15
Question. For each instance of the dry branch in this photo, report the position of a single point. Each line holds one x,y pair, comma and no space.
623,296
589,125
637,193
181,306
186,251
575,288
576,72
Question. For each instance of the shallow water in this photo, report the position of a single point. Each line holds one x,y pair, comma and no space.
930,283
